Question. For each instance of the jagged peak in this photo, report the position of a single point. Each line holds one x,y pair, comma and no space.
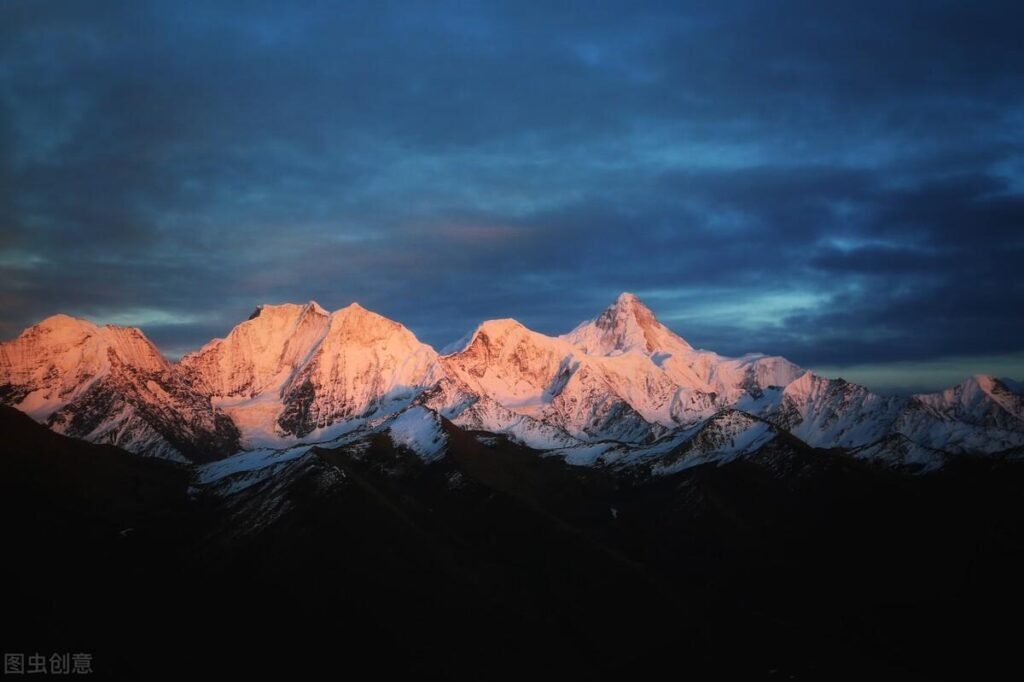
354,312
627,304
803,383
500,331
985,382
315,307
276,314
356,324
286,309
626,325
269,320
491,329
975,383
628,300
976,392
354,308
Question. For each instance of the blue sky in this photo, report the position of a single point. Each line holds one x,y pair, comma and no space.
841,183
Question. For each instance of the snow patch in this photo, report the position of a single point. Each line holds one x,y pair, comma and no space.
419,430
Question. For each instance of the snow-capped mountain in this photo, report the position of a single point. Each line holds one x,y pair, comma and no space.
260,353
627,325
618,390
612,378
109,384
829,412
548,380
293,372
630,327
980,415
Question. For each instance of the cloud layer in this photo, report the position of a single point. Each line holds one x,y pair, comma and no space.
840,183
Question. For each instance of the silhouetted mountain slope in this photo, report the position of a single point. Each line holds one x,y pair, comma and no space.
495,562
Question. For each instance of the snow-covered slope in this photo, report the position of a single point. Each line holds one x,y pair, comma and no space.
110,385
549,380
724,436
365,364
259,354
629,327
474,411
419,430
619,389
979,415
622,376
297,372
831,412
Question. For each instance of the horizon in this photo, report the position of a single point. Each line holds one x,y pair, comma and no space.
942,374
841,185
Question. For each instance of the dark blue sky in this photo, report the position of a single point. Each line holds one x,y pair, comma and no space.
838,182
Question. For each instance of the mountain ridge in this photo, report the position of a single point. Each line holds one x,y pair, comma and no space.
295,373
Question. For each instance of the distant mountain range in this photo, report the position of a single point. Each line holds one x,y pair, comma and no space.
621,391
323,491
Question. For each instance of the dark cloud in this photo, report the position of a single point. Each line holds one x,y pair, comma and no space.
841,183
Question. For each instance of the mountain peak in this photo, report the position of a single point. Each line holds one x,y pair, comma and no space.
61,319
286,310
489,329
973,385
356,324
626,325
502,334
628,305
61,331
63,324
354,312
354,307
628,298
54,362
984,381
500,325
988,385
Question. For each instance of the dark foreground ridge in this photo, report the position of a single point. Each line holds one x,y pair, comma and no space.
495,563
